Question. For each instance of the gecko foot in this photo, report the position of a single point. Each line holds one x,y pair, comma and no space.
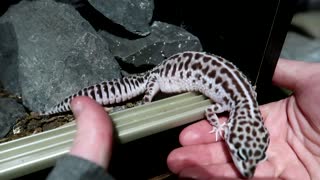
218,130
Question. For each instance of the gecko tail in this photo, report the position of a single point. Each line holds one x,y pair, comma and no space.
106,93
59,108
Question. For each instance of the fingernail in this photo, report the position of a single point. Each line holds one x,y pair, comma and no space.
77,108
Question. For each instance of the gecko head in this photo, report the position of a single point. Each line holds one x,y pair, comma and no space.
248,149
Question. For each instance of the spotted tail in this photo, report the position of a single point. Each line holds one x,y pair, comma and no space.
105,93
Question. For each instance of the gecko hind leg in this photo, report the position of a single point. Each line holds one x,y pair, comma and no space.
152,88
211,114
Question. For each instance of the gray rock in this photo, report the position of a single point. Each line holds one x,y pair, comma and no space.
74,3
59,52
9,58
163,41
133,15
10,111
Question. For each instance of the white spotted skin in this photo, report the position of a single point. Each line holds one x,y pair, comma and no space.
213,76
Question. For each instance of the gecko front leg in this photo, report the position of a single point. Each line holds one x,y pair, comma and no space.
211,114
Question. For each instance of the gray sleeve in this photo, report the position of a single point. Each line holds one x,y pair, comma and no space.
73,167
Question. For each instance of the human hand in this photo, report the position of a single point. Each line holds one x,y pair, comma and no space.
293,124
93,139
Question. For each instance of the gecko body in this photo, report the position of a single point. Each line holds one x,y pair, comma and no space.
215,77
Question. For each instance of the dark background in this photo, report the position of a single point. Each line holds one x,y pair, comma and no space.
248,33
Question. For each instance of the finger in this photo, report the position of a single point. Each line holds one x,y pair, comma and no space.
215,171
273,114
197,155
93,139
265,170
198,133
285,74
226,170
289,72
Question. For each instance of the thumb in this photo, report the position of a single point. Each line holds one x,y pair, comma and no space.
290,73
93,139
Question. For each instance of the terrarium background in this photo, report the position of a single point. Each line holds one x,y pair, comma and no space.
248,33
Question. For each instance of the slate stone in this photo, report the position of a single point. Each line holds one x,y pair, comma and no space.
134,16
9,58
163,41
10,111
59,52
74,3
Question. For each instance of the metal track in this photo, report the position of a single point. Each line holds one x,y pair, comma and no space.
36,152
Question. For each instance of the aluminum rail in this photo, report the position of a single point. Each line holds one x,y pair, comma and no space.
39,151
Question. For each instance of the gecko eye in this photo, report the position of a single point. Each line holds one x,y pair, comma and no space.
242,156
263,157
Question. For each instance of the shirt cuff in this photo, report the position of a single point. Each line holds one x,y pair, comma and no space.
74,167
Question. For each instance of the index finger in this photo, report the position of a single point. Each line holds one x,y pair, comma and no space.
198,133
289,73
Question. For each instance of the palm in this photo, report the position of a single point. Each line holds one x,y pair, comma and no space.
294,126
287,152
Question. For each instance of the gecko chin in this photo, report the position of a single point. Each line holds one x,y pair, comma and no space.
246,165
246,168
